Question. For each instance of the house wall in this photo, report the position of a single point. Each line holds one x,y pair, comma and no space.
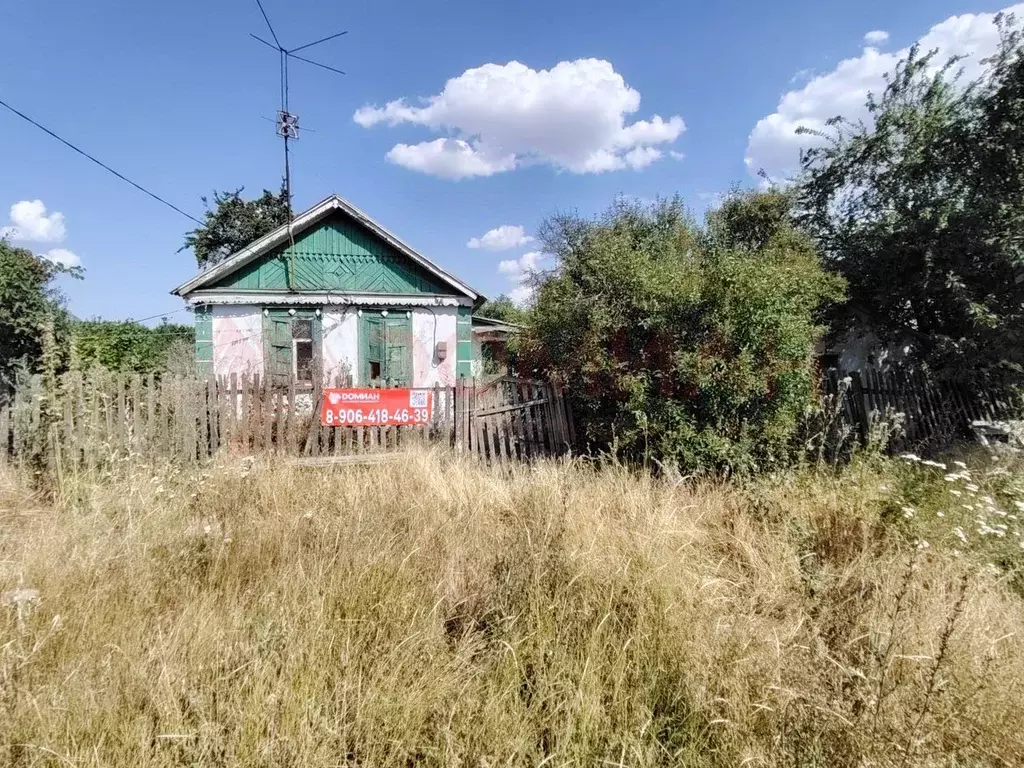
237,340
237,333
431,325
340,343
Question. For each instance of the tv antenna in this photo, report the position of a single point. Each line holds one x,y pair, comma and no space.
287,122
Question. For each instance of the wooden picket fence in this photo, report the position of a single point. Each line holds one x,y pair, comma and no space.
931,411
88,419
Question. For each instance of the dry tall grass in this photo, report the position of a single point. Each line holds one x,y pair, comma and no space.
433,612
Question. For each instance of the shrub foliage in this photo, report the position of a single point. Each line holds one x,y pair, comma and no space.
685,343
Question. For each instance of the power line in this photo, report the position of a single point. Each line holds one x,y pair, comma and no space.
151,317
101,164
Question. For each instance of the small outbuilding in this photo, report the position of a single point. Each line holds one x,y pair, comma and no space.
335,292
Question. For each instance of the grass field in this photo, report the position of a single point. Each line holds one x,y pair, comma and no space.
433,612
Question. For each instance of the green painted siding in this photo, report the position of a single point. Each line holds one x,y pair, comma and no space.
340,255
464,342
204,340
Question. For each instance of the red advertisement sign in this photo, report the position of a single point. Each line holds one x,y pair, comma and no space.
376,407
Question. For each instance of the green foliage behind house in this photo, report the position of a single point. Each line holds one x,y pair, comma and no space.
128,346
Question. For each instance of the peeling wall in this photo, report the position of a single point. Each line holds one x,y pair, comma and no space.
237,340
340,344
429,326
238,344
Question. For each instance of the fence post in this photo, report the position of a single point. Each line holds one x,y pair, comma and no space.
857,400
4,431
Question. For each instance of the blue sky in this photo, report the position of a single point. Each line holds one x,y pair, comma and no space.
174,95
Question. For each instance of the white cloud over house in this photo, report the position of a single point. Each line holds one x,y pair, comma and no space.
773,144
501,238
31,223
498,117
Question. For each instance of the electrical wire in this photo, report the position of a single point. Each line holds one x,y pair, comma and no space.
100,163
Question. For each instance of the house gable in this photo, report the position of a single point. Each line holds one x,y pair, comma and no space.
336,254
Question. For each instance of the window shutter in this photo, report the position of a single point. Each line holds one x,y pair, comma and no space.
398,349
373,344
277,345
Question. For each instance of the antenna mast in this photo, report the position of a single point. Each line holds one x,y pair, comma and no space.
288,123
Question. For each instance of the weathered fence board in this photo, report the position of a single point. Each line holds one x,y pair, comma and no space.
92,417
931,411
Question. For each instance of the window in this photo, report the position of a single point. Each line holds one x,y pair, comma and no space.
291,346
386,345
302,350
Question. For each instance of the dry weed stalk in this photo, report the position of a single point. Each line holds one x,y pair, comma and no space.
432,612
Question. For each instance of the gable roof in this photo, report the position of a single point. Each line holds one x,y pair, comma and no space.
304,221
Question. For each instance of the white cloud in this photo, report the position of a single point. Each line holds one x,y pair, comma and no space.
501,238
30,223
63,256
521,271
503,116
713,200
676,155
522,268
773,144
876,37
448,158
522,295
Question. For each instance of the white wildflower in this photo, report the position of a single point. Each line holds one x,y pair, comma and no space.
207,529
936,464
922,544
955,492
308,515
20,596
940,513
1019,505
910,457
960,464
907,511
959,533
972,488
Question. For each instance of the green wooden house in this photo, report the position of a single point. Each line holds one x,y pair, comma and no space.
334,292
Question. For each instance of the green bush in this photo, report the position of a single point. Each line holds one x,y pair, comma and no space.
678,342
127,346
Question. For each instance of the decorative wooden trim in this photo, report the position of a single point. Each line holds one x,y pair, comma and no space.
325,299
307,219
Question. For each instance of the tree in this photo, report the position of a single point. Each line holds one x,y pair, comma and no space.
128,346
234,223
503,308
28,298
693,344
920,209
